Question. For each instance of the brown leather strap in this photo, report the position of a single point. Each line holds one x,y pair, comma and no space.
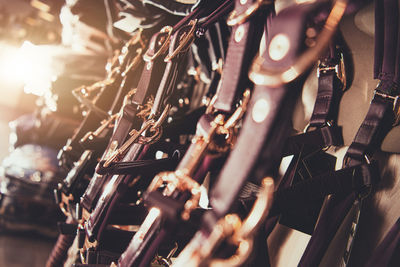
243,45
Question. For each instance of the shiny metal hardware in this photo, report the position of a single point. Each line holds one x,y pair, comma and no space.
128,97
239,112
137,38
84,91
181,179
233,230
260,110
151,124
210,107
186,39
104,125
273,77
243,236
340,70
396,105
178,180
164,46
166,261
228,130
239,33
235,19
64,204
135,62
279,47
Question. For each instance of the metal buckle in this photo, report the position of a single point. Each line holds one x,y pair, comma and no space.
396,105
84,91
178,180
236,232
181,179
239,112
272,77
339,69
65,204
151,124
104,124
135,62
186,40
235,19
137,38
164,46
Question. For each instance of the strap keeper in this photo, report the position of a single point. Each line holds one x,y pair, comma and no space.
368,177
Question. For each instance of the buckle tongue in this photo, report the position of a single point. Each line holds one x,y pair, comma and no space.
339,69
235,19
396,105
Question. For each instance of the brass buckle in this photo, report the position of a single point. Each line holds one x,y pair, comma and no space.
135,62
164,46
137,38
185,41
396,105
151,124
239,112
166,261
181,179
84,91
104,124
235,19
274,78
339,69
232,229
243,236
178,180
64,204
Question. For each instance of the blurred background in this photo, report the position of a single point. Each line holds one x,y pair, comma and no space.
22,27
47,48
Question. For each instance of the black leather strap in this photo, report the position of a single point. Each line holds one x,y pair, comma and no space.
241,51
148,80
163,92
140,254
152,71
144,166
318,138
310,161
326,98
374,128
266,125
106,102
358,179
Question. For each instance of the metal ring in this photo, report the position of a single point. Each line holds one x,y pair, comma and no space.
234,19
148,140
183,43
275,78
164,46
